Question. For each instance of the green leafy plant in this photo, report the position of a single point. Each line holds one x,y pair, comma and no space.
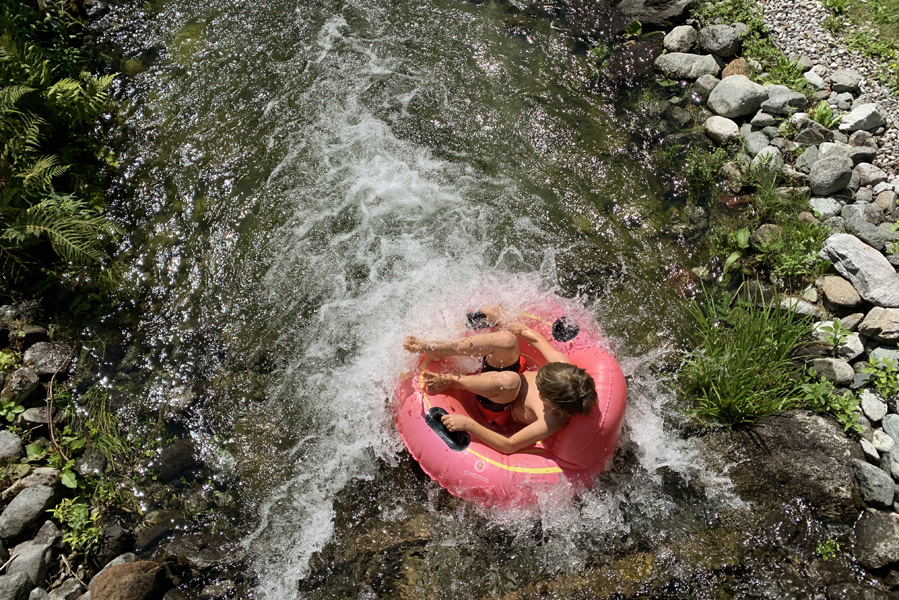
9,409
828,549
820,396
701,169
634,29
823,114
884,376
81,523
740,239
834,334
892,247
742,367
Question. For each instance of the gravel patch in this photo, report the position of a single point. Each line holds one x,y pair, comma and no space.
795,27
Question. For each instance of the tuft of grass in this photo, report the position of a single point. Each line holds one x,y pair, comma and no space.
743,367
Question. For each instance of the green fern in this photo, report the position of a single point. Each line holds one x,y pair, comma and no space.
70,226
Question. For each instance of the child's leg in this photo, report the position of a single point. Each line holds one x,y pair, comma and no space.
502,387
500,347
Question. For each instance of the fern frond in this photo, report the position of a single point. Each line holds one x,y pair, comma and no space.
74,230
10,95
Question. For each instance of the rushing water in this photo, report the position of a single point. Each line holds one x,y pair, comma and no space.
315,180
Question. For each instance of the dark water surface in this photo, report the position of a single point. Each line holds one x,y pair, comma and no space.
314,181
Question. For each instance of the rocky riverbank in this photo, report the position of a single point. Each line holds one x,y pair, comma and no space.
837,149
96,505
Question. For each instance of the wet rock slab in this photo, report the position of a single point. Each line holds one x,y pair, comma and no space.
794,455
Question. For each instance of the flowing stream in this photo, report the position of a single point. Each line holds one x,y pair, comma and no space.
315,180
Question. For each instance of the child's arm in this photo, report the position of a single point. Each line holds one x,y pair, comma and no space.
528,436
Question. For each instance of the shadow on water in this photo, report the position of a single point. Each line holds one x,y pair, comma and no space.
314,181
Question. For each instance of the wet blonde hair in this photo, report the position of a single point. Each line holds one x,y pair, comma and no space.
567,388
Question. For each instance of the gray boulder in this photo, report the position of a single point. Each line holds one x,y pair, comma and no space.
28,505
736,96
876,539
812,133
679,65
40,594
873,407
869,272
869,213
845,80
722,40
876,236
797,454
762,120
891,426
69,589
704,86
10,444
829,175
864,117
721,130
808,158
654,12
816,80
825,208
31,559
680,39
20,385
862,154
755,142
833,369
882,324
876,486
768,159
14,587
46,358
785,104
868,174
832,149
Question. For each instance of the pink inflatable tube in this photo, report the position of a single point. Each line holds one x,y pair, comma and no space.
474,471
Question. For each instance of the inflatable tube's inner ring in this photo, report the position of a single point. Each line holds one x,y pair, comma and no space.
565,330
456,440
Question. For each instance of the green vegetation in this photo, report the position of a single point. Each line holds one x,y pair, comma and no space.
743,367
792,250
834,334
828,549
701,169
823,114
876,35
756,46
884,376
820,396
52,157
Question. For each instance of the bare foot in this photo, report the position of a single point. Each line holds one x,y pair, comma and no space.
416,345
436,382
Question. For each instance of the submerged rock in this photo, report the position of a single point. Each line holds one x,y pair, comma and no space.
798,454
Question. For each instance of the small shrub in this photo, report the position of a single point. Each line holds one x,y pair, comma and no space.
832,23
834,334
819,395
884,376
